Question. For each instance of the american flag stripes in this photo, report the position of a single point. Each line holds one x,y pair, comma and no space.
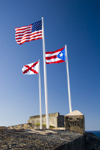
57,56
29,33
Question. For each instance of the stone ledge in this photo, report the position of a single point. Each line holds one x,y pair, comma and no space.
74,113
50,115
40,140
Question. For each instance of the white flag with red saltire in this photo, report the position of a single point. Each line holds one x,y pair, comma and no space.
32,68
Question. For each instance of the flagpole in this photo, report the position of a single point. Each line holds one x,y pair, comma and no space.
40,97
68,80
45,78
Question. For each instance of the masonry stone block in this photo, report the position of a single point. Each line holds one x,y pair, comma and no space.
75,121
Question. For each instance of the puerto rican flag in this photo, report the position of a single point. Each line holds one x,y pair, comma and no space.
32,68
57,56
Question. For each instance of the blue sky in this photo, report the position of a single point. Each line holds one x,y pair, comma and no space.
72,22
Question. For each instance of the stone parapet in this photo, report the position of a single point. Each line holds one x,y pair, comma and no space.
55,119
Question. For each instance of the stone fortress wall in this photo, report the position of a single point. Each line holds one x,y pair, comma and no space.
74,121
73,133
55,119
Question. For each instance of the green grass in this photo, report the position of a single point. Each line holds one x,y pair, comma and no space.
2,127
44,125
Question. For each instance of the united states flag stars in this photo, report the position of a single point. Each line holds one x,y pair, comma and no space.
28,33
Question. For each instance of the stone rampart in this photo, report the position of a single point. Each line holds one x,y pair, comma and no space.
55,119
16,139
72,137
22,139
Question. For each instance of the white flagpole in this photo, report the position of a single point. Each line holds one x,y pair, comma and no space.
45,78
40,97
67,69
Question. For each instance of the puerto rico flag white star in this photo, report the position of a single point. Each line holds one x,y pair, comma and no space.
32,68
57,56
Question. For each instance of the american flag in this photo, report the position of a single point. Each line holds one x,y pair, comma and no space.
29,33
